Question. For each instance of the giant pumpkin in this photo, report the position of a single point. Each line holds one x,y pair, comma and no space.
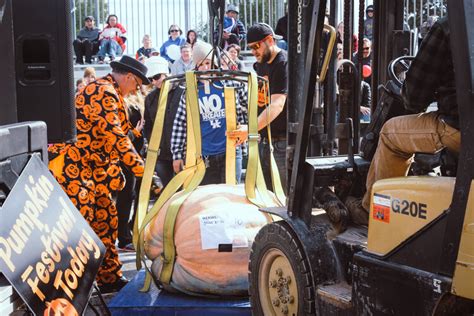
211,215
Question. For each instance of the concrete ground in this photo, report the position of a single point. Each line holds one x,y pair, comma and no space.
129,271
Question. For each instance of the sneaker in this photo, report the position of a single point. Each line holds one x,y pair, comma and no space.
127,248
113,287
359,214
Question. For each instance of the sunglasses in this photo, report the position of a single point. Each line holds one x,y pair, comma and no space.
174,31
365,48
258,44
155,77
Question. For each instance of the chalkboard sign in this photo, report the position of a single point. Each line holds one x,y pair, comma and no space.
48,252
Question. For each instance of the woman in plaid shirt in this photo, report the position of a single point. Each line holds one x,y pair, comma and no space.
212,120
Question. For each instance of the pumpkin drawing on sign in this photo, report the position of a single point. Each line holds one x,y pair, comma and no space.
60,307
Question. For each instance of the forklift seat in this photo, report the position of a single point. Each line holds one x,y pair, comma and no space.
329,170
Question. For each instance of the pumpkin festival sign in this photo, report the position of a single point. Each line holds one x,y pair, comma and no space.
48,251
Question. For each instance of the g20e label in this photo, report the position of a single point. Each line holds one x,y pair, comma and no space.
383,205
409,208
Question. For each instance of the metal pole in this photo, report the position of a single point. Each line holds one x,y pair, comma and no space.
186,14
96,15
74,21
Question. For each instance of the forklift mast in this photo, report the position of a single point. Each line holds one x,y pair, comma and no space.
305,22
462,47
389,41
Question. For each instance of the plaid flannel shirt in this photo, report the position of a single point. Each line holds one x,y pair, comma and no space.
241,29
178,136
431,75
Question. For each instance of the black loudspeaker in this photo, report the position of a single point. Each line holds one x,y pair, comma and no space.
7,66
43,63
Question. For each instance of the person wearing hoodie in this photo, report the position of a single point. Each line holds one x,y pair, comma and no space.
369,22
185,62
172,45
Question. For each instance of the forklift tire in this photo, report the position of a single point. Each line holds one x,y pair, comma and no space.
280,281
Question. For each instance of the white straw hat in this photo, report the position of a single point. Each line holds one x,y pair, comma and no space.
156,65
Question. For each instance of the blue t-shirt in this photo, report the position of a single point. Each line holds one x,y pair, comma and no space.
212,117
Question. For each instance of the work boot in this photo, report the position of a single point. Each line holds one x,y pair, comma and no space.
335,209
359,214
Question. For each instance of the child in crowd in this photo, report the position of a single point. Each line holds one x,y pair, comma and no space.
89,75
79,85
147,50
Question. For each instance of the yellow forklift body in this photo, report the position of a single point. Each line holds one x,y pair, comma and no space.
400,207
463,280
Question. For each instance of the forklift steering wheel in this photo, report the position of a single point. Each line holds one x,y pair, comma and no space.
397,69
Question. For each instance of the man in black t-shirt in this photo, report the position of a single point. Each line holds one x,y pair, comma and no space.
271,64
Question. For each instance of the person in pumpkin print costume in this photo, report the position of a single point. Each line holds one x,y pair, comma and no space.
91,169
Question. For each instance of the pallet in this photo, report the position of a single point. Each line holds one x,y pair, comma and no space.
130,301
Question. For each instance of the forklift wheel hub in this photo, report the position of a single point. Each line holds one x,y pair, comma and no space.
277,284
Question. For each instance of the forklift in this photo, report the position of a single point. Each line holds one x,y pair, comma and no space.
413,259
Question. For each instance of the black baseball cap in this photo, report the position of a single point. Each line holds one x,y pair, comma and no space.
89,18
259,31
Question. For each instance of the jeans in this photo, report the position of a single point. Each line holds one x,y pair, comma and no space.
279,153
164,170
238,164
125,200
403,136
109,46
85,48
215,168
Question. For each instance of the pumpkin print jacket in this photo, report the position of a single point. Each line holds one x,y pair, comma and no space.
102,126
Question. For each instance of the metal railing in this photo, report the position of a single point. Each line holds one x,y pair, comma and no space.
153,17
419,14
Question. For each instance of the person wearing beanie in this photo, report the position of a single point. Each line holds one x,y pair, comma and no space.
271,64
212,119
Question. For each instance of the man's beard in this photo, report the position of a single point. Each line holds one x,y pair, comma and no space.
266,56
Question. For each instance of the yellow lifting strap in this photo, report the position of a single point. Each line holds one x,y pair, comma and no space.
144,194
255,186
150,162
188,174
193,173
193,120
231,125
275,174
